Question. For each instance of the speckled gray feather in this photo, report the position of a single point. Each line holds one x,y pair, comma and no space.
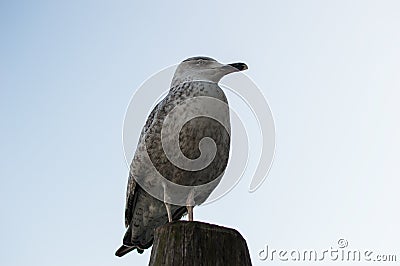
143,212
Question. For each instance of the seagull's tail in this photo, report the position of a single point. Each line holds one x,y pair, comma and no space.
126,249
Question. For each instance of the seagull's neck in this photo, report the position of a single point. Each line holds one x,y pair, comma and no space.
180,80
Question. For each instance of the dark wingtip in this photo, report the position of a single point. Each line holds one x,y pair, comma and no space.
124,250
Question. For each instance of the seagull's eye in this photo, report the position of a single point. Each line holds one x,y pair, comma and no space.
200,62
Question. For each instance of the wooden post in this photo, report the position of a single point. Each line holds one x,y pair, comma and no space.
196,243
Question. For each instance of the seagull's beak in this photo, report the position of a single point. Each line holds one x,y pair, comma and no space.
238,66
230,68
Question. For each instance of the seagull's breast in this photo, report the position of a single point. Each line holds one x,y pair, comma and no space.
201,128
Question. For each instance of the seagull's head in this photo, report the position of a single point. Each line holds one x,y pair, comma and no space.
204,68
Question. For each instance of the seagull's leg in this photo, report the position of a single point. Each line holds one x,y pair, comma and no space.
189,205
167,205
190,212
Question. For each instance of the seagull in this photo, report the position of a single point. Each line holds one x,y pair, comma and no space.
195,78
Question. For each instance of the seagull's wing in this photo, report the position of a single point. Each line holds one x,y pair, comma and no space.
130,200
132,188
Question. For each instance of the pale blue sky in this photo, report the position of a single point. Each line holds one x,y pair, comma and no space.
330,71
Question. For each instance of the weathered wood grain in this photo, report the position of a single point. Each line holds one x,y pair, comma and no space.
196,243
